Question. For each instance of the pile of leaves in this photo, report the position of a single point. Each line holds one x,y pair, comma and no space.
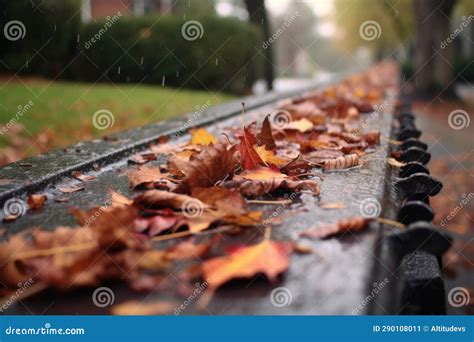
205,186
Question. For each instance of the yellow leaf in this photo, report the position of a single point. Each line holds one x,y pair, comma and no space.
302,125
269,157
261,173
200,136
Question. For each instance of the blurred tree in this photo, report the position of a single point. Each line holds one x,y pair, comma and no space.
258,15
296,31
433,64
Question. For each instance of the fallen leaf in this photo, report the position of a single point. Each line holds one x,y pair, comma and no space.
148,177
342,162
395,163
249,156
78,175
353,224
260,173
269,157
200,136
213,164
36,201
72,189
332,205
268,257
256,188
303,125
265,137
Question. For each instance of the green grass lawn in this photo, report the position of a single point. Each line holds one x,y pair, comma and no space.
61,112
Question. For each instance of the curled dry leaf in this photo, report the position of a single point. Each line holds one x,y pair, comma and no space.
353,224
394,162
36,201
342,162
268,257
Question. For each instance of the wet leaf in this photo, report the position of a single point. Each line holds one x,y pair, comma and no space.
200,136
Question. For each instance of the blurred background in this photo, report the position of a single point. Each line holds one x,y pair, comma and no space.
62,61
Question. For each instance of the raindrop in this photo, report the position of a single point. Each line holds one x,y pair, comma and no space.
141,61
78,37
163,81
177,73
55,28
119,70
217,61
27,63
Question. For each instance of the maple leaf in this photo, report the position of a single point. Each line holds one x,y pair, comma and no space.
248,155
353,224
200,136
265,137
213,164
268,257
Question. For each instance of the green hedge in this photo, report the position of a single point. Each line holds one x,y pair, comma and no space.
47,35
153,50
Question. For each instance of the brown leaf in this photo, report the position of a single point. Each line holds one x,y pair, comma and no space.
256,188
342,162
268,257
354,224
78,175
332,205
148,177
213,164
72,189
265,137
36,201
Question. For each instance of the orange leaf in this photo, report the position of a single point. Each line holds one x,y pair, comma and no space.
200,136
261,173
36,201
269,157
302,125
268,257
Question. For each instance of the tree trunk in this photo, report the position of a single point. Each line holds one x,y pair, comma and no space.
258,15
434,58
